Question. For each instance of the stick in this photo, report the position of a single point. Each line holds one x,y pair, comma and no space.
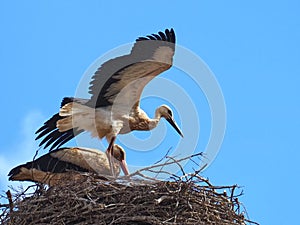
11,204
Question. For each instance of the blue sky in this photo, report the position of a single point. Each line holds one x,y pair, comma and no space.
252,48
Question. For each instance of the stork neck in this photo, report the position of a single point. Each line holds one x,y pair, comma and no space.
153,123
157,115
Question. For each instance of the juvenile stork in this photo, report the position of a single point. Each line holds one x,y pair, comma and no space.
65,164
116,88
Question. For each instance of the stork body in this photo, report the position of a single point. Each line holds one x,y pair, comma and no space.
103,122
116,88
66,164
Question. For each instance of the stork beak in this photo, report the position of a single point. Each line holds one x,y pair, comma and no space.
173,123
124,167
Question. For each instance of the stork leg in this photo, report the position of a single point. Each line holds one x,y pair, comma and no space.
110,148
110,151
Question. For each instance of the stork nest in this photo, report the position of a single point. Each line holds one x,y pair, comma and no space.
189,200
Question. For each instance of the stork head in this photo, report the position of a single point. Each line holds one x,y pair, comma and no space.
120,155
165,112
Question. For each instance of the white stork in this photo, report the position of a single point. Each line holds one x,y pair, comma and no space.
116,87
61,165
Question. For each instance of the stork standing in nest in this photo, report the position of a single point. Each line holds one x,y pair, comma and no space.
116,88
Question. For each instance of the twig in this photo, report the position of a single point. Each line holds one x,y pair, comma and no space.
163,156
178,164
159,165
249,221
10,201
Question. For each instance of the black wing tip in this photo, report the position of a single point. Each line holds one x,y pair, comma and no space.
39,130
51,123
66,100
56,139
168,35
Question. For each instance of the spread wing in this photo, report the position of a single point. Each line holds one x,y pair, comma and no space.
117,82
51,134
120,81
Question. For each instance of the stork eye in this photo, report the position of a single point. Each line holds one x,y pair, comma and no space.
170,112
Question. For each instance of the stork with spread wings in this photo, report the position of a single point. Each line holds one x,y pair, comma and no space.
116,87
